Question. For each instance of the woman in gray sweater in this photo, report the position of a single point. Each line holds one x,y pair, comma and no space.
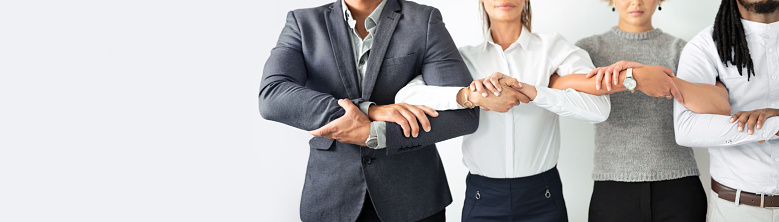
640,173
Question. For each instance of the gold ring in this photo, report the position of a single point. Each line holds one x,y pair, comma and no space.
669,97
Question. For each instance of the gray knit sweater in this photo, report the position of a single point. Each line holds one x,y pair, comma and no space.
637,142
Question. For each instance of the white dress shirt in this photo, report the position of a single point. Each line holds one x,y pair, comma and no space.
524,141
737,159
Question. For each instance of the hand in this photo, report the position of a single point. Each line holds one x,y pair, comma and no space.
656,81
752,118
610,74
492,84
353,127
503,103
404,115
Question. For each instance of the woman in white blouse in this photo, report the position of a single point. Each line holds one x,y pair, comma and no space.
512,157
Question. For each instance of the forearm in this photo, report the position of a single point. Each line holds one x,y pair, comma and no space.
448,124
581,83
704,98
417,92
573,104
711,130
296,106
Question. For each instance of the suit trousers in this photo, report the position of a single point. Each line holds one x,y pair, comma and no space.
680,199
721,210
533,198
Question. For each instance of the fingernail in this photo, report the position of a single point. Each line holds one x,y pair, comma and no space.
472,89
416,134
496,94
750,132
499,89
427,129
436,113
484,94
740,128
759,126
597,87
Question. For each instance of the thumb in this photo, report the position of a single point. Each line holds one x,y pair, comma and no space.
347,105
676,93
322,131
668,71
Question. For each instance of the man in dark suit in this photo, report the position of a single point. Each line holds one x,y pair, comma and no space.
369,159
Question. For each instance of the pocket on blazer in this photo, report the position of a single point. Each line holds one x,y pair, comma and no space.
321,143
406,59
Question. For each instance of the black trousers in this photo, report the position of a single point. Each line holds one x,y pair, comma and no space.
680,199
533,198
368,213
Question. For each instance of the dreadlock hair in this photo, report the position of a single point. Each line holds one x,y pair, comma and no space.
730,38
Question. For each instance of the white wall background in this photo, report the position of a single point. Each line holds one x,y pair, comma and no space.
147,110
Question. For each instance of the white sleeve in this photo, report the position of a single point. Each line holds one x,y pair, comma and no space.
574,104
709,130
417,92
569,59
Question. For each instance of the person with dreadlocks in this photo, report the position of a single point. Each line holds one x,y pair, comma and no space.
740,50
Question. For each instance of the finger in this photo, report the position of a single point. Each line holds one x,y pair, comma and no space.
472,86
522,97
485,109
495,80
412,120
599,78
480,87
428,110
761,119
742,121
761,141
676,93
492,88
592,73
752,121
615,76
734,117
421,116
607,80
512,82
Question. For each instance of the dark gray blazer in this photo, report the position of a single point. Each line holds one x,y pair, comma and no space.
312,66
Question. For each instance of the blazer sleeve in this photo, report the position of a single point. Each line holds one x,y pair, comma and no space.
283,96
442,66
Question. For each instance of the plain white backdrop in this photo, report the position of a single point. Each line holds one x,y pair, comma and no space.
147,110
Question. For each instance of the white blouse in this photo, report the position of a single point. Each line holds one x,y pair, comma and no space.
526,140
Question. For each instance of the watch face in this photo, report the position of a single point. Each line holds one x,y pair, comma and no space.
629,83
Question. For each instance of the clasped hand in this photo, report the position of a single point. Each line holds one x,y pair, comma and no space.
655,81
504,93
354,126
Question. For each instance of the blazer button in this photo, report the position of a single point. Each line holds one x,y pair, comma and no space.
366,160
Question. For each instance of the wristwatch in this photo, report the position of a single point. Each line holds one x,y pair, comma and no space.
630,82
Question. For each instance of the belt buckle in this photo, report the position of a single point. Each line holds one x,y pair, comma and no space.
762,199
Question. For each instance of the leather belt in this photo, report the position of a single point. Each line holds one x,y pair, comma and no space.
751,199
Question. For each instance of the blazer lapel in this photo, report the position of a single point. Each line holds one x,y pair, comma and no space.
389,20
342,49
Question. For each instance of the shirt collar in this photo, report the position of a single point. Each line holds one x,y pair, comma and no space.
765,30
522,41
371,22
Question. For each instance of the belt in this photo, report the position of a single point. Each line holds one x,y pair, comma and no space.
751,199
